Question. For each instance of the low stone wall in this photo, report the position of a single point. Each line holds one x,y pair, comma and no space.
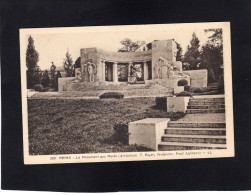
62,83
178,89
198,77
73,84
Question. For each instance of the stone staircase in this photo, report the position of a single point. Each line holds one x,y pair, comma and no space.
213,86
184,135
206,105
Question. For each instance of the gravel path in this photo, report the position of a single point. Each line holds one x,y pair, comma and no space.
214,117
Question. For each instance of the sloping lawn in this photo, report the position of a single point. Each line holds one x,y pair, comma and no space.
87,126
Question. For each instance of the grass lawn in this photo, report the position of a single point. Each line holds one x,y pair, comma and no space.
87,126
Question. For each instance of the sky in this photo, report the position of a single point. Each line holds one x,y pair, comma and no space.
53,44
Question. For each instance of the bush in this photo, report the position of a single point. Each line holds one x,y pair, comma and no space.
206,89
38,87
197,90
186,88
161,102
221,84
45,89
182,82
115,95
184,93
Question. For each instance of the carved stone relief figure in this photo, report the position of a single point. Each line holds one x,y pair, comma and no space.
157,70
92,70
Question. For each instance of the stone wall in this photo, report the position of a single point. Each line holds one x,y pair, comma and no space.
198,78
62,83
90,55
165,49
125,57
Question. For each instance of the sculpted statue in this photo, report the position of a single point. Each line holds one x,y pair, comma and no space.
92,70
165,69
157,69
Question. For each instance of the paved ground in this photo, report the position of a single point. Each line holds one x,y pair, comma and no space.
94,94
214,117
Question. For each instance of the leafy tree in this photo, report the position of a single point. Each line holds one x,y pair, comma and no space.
77,63
192,55
216,37
130,46
46,79
33,70
68,65
212,55
179,51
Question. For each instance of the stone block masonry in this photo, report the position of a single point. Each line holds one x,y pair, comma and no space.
147,132
177,104
62,83
198,77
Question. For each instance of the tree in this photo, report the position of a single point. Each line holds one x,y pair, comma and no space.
216,37
46,79
33,70
131,46
77,63
179,51
212,55
68,65
192,55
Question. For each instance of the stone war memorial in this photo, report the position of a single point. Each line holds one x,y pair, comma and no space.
133,104
156,66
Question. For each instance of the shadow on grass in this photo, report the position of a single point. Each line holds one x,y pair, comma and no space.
158,107
121,136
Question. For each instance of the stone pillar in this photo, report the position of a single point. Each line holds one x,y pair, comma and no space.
115,72
145,71
103,70
129,68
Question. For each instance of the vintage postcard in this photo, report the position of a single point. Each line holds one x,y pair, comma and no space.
127,93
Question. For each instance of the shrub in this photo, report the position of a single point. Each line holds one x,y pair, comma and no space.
186,88
184,93
221,84
197,90
206,89
182,82
161,102
45,89
38,87
115,95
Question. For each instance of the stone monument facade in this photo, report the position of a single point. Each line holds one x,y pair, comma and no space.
157,65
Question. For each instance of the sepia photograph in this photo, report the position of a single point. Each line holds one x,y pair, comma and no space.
126,93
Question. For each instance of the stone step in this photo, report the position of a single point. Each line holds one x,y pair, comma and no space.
193,103
207,111
194,139
195,131
213,84
188,124
213,88
216,106
207,100
165,146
